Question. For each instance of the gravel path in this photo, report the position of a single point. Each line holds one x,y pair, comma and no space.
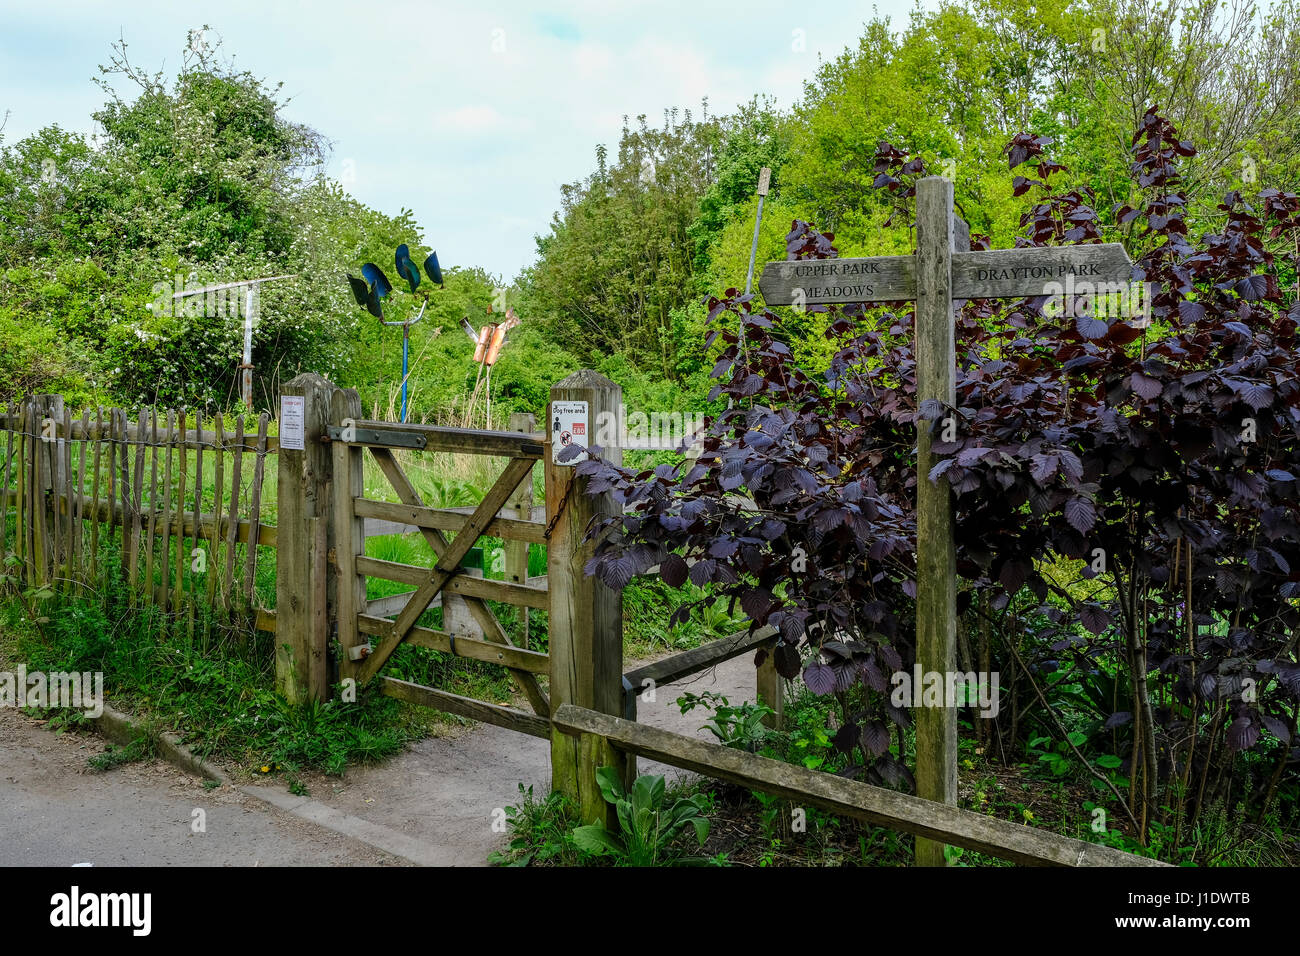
444,791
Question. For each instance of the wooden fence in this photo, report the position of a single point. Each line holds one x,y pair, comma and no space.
179,503
925,819
182,504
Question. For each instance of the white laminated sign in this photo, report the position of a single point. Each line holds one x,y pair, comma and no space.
569,426
293,410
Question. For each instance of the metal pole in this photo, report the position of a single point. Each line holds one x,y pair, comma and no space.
246,377
406,346
764,179
252,300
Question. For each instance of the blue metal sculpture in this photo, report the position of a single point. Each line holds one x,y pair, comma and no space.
374,287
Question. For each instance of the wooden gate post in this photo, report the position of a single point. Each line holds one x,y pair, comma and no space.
349,532
770,688
585,623
936,564
303,537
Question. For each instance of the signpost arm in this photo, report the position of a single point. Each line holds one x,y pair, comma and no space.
936,571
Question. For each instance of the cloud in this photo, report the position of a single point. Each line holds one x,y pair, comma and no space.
558,27
472,119
471,116
591,59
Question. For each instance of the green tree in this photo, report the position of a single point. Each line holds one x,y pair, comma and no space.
201,180
619,255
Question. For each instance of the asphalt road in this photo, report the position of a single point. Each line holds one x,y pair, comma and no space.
438,803
56,811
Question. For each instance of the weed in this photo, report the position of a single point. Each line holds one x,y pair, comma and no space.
216,690
740,726
648,826
141,748
542,832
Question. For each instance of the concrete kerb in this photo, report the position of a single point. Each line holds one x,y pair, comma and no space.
120,729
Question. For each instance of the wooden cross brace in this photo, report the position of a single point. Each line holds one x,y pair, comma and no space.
450,554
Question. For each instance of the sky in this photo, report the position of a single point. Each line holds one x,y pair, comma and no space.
472,115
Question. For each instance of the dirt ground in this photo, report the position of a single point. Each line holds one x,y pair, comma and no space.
445,791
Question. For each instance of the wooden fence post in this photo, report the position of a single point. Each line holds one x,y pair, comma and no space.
11,432
457,618
770,687
520,507
349,533
25,476
585,623
303,502
936,577
45,517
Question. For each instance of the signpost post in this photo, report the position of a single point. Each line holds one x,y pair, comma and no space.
941,273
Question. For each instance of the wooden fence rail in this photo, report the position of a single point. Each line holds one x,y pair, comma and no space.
460,441
846,798
90,431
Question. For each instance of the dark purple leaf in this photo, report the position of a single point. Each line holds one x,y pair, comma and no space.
1094,617
1242,734
1081,514
819,678
875,738
786,657
1276,727
1117,719
1149,388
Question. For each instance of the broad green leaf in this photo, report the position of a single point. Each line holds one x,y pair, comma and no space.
647,791
611,787
596,839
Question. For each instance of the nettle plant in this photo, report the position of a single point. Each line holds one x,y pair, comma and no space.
1157,464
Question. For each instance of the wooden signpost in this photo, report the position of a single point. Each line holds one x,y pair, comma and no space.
941,272
988,274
